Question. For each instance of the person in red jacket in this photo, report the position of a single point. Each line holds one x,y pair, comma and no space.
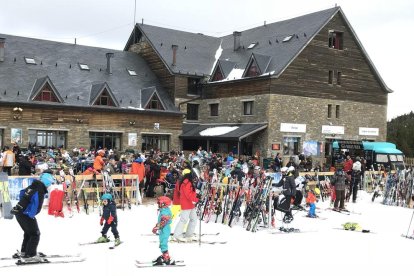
138,168
188,199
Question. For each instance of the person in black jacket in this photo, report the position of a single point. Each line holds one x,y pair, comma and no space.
289,191
25,166
29,205
109,219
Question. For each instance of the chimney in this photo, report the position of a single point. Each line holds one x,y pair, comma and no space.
108,63
236,36
174,50
2,42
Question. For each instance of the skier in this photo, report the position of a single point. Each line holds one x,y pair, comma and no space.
29,205
311,199
163,227
188,199
339,182
109,216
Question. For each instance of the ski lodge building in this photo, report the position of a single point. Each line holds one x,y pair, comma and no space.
292,86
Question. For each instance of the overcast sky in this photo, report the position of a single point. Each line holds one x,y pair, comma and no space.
381,25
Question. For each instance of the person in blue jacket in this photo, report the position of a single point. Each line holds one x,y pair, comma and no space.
163,228
109,219
29,205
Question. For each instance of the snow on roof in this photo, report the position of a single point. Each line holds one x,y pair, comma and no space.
217,56
235,74
216,131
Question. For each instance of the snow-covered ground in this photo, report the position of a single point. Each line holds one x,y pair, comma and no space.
319,250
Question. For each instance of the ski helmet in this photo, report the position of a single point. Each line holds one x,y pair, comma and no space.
106,197
163,201
47,179
284,169
186,171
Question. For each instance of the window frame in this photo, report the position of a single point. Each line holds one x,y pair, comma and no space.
329,111
192,114
336,40
214,112
245,105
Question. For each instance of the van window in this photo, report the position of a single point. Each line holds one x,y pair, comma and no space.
382,158
400,158
393,157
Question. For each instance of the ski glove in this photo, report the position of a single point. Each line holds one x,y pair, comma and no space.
155,229
16,209
101,222
110,219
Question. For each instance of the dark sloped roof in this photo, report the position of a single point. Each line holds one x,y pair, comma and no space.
195,53
97,90
59,62
240,131
269,38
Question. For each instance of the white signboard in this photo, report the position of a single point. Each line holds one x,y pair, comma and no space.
132,139
368,131
284,127
333,129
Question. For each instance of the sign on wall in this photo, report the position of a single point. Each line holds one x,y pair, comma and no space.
285,127
16,135
368,131
132,139
333,129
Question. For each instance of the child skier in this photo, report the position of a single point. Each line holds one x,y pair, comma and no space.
164,229
311,199
109,216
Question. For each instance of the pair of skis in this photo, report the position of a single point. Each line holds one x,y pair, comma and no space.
44,259
140,264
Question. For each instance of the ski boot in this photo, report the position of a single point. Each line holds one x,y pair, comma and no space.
117,241
164,259
103,239
287,218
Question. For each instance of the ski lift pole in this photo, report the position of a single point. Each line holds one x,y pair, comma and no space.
409,226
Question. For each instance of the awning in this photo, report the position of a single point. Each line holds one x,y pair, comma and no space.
220,131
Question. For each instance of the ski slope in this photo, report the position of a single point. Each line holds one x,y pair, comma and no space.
319,249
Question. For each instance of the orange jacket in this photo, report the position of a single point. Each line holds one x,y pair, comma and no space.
311,198
98,163
139,169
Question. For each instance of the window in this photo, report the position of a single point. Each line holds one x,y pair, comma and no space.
109,140
329,111
214,108
252,45
30,60
132,72
194,86
290,145
84,66
154,103
192,111
337,111
156,142
46,95
248,108
47,138
286,39
330,77
382,158
218,75
335,40
105,99
338,78
252,70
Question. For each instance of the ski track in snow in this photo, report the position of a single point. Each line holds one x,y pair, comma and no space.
321,251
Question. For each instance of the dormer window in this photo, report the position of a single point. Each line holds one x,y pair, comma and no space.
335,40
155,103
105,99
29,60
84,66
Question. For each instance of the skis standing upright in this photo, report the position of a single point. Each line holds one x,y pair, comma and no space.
6,204
74,191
